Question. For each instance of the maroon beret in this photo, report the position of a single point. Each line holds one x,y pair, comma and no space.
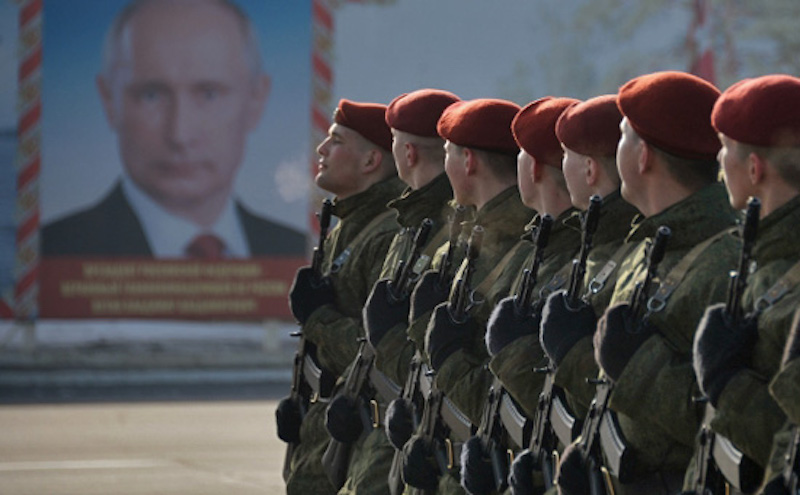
367,119
534,128
418,112
483,124
763,111
672,111
591,127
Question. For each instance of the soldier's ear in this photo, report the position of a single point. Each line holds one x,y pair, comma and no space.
470,161
412,154
372,161
592,171
756,168
645,158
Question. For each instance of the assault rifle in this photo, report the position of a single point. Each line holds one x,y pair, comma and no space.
307,377
598,420
553,421
411,393
440,417
791,469
524,293
336,457
719,462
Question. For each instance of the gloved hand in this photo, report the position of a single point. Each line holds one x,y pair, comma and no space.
382,312
427,294
420,469
343,419
617,339
444,336
399,422
572,478
288,418
306,295
520,476
792,349
562,326
505,325
476,469
722,347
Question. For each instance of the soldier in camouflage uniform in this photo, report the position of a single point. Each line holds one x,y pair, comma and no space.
735,359
419,157
589,132
480,164
543,188
357,166
666,160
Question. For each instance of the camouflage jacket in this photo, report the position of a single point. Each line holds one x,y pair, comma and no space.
394,351
514,363
578,364
785,389
746,413
335,328
654,395
462,377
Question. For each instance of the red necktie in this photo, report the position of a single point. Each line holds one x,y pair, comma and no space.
205,246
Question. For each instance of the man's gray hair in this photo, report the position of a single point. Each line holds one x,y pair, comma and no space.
113,36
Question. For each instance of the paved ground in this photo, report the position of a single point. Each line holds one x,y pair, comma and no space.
179,446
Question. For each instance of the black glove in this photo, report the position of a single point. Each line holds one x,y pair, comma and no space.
445,336
722,347
617,339
306,294
562,326
476,469
289,418
382,312
792,350
343,419
777,486
399,422
505,325
427,294
572,478
520,476
419,465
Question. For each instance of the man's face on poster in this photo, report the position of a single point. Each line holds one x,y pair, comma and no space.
182,97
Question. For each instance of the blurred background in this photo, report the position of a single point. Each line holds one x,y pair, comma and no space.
59,351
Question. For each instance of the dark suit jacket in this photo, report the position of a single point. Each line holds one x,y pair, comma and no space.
111,228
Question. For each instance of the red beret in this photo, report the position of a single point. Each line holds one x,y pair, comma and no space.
367,119
418,112
534,128
672,110
483,124
764,111
591,127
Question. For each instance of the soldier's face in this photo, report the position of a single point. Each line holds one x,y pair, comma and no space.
527,188
629,150
399,152
455,167
576,167
341,156
734,167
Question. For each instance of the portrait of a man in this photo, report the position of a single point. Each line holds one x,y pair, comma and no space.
182,87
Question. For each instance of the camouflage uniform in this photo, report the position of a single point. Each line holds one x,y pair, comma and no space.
653,397
746,413
513,364
785,389
335,328
372,454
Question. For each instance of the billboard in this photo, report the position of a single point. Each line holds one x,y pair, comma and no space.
174,150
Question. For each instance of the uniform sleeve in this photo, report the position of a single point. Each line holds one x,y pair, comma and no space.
465,380
336,337
514,366
748,416
785,389
658,386
394,354
573,373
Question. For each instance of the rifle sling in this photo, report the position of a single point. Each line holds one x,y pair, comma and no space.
489,280
340,260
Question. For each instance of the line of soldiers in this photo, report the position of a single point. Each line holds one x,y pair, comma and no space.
559,298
